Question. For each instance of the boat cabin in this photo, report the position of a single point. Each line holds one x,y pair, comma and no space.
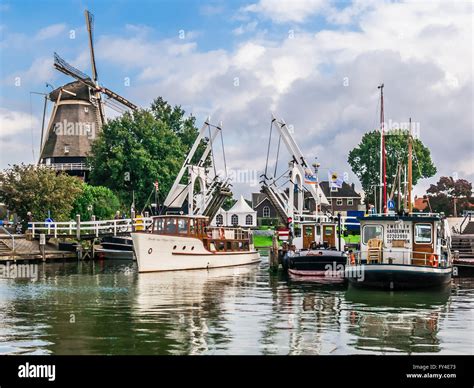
408,240
215,239
322,233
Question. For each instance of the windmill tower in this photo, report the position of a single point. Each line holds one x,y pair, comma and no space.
77,115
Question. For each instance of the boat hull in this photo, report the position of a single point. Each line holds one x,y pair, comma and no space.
397,277
323,265
114,254
173,253
463,268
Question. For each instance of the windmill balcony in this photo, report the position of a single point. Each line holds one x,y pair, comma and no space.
69,166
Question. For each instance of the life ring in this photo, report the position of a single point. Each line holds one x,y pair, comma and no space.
433,260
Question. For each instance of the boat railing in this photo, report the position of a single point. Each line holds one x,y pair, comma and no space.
405,257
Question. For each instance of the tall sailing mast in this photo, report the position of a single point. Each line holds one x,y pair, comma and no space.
410,171
383,165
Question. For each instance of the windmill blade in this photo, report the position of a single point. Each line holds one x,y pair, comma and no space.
90,30
64,67
118,98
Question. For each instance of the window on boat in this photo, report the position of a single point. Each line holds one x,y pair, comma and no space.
182,226
192,229
297,231
372,231
159,225
423,233
170,226
228,246
220,245
328,230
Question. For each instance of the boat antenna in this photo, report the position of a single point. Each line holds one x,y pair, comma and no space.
410,171
383,164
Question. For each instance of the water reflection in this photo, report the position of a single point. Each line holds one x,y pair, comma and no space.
191,305
389,322
108,308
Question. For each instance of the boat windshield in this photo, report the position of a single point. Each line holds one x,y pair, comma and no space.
372,231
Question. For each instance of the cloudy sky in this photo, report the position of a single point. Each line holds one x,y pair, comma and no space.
314,63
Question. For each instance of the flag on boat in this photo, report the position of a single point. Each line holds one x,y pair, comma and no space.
309,177
334,180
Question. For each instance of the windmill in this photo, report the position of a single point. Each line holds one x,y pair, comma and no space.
77,115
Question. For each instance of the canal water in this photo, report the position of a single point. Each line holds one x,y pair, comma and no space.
108,308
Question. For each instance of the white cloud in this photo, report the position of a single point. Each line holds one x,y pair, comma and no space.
287,11
15,122
50,31
245,28
41,70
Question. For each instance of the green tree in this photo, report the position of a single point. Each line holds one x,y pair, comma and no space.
450,196
365,160
29,188
184,127
96,200
146,145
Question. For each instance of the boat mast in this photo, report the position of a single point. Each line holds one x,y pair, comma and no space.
410,172
383,166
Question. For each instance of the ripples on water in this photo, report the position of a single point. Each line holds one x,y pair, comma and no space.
108,308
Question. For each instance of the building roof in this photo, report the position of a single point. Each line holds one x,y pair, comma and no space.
420,203
241,206
344,192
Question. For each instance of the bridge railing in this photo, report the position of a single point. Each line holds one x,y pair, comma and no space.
95,227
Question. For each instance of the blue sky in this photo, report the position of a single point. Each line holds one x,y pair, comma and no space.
315,63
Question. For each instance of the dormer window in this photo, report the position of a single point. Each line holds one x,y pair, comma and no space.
334,189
